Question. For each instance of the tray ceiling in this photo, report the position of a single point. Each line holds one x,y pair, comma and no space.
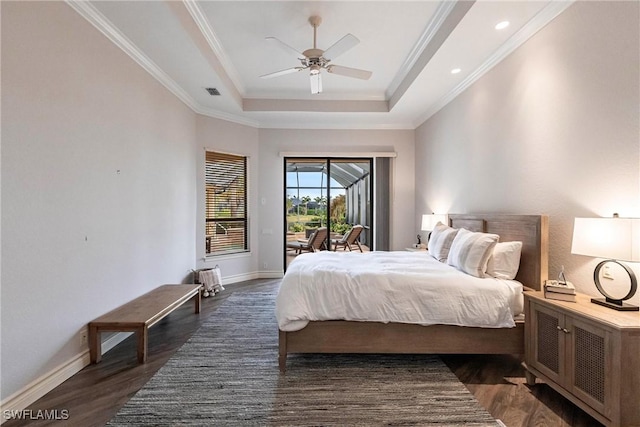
410,46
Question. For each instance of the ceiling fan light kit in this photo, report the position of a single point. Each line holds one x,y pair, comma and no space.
315,60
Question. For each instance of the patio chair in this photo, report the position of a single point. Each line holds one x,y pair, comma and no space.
317,241
349,239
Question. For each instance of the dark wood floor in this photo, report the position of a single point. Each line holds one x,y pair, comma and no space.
94,395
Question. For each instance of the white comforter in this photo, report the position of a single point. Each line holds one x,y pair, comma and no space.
405,287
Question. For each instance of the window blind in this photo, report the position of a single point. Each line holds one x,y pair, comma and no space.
226,203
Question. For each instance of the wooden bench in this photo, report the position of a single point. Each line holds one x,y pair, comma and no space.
140,314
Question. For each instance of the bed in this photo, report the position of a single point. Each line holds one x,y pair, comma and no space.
346,336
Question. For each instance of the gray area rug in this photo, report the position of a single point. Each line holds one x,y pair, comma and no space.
227,374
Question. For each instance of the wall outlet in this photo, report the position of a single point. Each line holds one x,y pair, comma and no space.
606,272
265,265
83,338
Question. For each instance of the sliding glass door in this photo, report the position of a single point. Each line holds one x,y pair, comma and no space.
327,192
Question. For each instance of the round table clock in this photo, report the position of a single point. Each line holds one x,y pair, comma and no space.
609,300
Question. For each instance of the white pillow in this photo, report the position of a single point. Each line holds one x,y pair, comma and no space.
440,241
505,261
470,251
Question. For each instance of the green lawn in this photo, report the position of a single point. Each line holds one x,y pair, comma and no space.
300,218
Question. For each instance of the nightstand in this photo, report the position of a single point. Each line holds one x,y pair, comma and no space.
587,353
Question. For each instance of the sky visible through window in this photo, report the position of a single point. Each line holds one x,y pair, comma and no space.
310,184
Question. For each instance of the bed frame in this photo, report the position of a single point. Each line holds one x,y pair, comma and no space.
339,336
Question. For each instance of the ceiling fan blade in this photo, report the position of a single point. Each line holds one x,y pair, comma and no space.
349,72
282,72
316,83
286,47
341,46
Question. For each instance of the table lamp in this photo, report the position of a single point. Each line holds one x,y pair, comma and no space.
615,239
429,222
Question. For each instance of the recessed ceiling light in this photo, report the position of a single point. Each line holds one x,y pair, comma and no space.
502,25
455,71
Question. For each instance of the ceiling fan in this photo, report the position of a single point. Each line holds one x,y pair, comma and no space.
315,59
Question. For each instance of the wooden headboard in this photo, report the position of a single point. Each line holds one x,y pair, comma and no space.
531,230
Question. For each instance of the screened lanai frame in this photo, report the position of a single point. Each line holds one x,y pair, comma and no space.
350,176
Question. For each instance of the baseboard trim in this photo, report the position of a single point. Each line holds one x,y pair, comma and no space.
37,388
229,280
271,274
40,386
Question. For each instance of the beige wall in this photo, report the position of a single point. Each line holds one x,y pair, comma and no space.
266,195
226,137
553,129
98,187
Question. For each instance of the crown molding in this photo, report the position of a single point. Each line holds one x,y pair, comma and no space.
214,43
226,116
106,27
447,26
443,10
300,125
326,106
546,15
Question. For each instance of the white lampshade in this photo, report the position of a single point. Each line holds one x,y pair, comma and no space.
429,221
611,238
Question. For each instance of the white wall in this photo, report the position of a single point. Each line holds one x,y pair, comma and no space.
553,129
98,185
226,137
332,143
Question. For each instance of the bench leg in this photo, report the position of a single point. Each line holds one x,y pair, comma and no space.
197,298
143,340
95,345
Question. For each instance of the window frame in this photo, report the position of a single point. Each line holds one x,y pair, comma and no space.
209,203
